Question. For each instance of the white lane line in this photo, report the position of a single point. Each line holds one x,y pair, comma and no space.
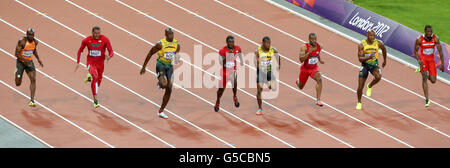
16,125
240,89
174,83
348,144
344,35
48,109
85,97
298,119
334,81
231,145
192,124
280,82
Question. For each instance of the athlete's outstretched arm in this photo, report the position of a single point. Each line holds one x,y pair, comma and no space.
416,51
256,60
109,48
277,57
383,49
177,55
361,56
152,51
36,53
441,54
222,57
80,50
320,59
240,57
19,47
303,55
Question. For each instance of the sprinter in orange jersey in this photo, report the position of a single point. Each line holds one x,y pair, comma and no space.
25,49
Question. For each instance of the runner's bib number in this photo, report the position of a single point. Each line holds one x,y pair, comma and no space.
313,60
369,54
265,63
229,64
95,53
28,53
169,55
428,51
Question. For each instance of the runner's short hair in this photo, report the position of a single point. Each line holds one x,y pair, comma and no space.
311,34
30,30
95,28
168,30
266,38
428,26
229,37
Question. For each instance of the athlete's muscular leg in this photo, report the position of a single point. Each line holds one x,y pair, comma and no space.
167,93
302,78
162,80
318,78
377,77
100,69
234,80
18,74
432,79
300,85
361,82
273,85
219,94
32,76
424,83
18,80
95,80
258,94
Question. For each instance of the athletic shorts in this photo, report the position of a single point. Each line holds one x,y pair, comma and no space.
21,66
306,72
226,77
164,70
366,68
429,65
264,76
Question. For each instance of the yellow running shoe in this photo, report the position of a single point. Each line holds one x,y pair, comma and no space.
96,105
32,103
358,106
369,91
427,104
88,78
417,70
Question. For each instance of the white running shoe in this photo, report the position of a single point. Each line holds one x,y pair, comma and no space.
162,115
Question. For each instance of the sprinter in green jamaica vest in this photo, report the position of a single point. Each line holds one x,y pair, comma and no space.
368,56
167,50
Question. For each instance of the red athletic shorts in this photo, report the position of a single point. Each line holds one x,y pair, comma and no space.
305,72
226,77
428,64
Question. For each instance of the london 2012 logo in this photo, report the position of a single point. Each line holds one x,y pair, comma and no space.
366,25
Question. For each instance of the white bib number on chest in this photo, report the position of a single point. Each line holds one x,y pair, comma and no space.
27,53
95,53
313,60
230,64
369,54
265,63
428,51
169,55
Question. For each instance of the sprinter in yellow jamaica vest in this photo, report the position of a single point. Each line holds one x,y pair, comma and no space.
264,58
368,56
167,50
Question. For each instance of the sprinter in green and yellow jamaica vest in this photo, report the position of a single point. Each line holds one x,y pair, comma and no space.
265,56
167,50
368,56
